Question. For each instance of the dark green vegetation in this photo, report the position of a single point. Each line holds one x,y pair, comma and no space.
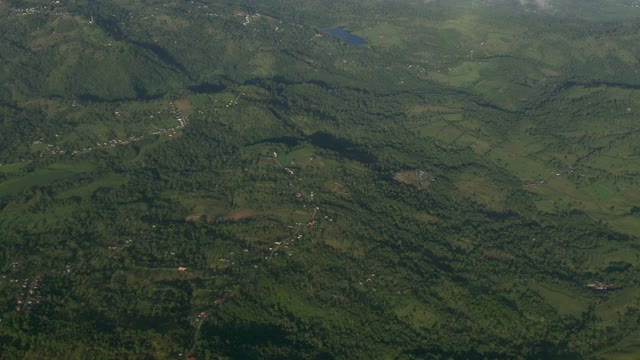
445,191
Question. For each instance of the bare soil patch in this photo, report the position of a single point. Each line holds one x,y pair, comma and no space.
183,105
550,72
339,189
193,217
417,178
239,214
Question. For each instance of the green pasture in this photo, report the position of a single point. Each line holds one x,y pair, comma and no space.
629,224
414,312
519,157
202,206
440,130
385,34
598,259
481,189
618,303
12,169
24,216
477,145
45,176
564,300
263,63
111,180
301,156
626,349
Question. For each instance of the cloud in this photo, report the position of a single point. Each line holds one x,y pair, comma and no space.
530,4
543,4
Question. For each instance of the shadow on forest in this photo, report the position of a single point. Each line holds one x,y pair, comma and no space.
207,88
286,140
141,95
240,340
344,147
161,53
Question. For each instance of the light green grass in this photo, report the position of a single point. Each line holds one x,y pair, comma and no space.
626,349
600,258
111,180
43,177
12,169
562,299
385,35
414,312
300,155
627,224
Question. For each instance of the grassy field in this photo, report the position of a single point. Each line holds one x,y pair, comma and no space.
40,177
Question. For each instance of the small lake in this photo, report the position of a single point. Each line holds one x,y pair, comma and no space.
342,33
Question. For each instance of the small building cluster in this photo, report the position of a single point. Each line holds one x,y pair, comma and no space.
28,297
600,286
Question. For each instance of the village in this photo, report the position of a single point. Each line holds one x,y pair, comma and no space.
49,10
55,150
29,296
601,286
27,289
568,171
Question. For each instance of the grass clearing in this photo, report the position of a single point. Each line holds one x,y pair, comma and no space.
453,117
419,179
414,312
384,34
12,169
629,224
464,75
441,130
563,300
481,189
617,303
626,349
238,215
476,145
184,105
263,64
203,209
111,180
601,257
302,155
426,217
340,244
42,177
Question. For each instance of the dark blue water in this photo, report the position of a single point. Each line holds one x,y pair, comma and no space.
342,33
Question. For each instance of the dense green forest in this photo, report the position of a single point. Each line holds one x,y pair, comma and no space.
228,180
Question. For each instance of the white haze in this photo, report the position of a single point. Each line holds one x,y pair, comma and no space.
543,4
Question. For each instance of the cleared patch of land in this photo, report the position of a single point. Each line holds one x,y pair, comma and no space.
419,179
238,214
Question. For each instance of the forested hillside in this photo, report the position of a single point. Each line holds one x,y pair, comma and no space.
228,180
